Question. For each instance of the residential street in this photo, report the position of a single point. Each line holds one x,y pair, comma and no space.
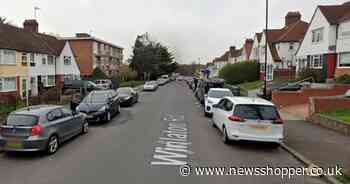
123,150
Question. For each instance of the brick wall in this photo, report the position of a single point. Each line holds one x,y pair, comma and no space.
287,98
284,74
342,71
323,104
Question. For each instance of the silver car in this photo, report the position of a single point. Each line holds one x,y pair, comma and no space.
40,128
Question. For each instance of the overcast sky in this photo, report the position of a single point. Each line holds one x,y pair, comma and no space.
193,29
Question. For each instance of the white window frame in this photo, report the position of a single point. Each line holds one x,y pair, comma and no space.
49,84
319,64
67,60
5,59
269,75
44,60
4,87
49,61
340,57
317,35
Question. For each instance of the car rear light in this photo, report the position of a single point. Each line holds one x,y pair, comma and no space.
236,118
278,121
36,130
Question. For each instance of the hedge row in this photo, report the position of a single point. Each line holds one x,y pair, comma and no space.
240,72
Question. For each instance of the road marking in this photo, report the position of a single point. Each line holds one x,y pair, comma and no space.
173,145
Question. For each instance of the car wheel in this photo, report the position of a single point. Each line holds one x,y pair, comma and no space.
225,138
52,145
85,128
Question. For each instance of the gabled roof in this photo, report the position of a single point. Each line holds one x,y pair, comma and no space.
272,37
294,32
336,13
248,47
15,38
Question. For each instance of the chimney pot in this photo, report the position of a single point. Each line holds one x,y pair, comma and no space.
292,17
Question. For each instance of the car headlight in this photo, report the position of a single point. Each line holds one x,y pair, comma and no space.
102,109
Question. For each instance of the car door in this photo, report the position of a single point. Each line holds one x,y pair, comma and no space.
74,121
217,112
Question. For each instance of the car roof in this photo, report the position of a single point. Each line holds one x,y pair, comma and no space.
36,110
219,89
249,101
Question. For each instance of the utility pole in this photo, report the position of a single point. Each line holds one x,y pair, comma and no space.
266,35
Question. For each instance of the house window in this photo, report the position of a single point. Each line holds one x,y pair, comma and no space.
291,46
51,80
50,60
24,58
317,35
43,60
67,60
269,72
344,60
317,61
8,57
8,84
32,59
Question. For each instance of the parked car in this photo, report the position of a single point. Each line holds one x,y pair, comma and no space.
100,105
104,83
205,85
252,119
80,84
161,81
213,97
41,128
150,86
128,96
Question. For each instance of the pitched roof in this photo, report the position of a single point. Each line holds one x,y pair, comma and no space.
248,47
272,37
16,38
336,13
294,32
225,56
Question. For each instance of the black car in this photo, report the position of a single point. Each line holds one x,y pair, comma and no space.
100,105
205,85
128,96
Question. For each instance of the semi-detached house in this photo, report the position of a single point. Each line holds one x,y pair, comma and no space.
326,46
32,61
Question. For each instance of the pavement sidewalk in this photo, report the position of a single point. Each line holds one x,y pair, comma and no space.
323,147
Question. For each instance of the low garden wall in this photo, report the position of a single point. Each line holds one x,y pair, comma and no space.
331,123
324,104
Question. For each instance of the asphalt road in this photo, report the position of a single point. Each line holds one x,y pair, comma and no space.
132,149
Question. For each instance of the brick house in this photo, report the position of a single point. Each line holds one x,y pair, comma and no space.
326,44
31,61
92,52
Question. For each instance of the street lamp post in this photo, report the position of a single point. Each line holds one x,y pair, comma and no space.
266,35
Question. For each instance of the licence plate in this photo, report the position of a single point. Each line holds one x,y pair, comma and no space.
14,144
259,127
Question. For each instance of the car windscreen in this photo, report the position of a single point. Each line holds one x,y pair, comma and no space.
21,120
219,94
96,98
256,112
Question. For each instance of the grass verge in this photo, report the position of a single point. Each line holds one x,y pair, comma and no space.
245,87
342,114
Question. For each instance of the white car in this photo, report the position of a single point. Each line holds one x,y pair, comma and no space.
213,97
104,83
252,119
150,86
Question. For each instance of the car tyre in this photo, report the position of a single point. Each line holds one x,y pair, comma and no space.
225,138
52,145
85,128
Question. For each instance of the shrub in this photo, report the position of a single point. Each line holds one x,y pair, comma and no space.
344,79
98,74
240,72
309,72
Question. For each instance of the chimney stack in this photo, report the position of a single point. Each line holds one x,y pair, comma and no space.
292,17
31,25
